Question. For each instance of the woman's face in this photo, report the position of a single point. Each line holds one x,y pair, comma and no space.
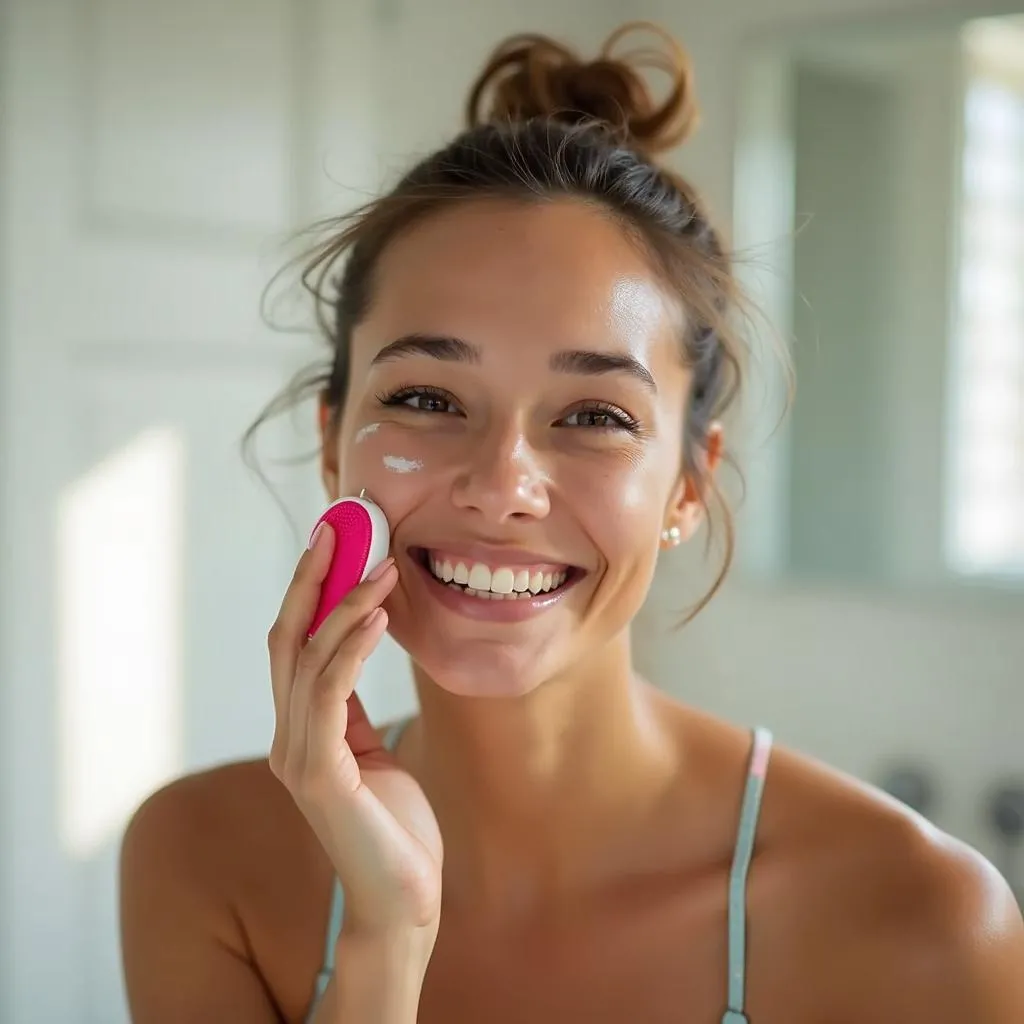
516,407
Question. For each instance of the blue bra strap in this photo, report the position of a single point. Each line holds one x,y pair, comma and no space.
749,814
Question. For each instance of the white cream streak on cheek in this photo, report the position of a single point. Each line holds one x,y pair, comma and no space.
364,432
399,465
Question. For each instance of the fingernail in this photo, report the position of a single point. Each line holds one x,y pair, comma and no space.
372,617
316,535
380,570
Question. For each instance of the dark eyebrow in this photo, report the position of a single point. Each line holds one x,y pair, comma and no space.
450,350
595,363
455,350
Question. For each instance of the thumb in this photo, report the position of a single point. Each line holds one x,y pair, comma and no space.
360,735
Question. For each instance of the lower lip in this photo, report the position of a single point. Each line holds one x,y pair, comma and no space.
488,610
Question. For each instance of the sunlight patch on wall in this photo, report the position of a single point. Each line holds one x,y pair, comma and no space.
120,552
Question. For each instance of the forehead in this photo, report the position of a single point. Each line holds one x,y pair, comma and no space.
547,274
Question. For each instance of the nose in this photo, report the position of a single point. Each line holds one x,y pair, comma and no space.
503,479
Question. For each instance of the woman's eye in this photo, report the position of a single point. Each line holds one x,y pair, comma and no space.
599,419
590,418
418,400
427,403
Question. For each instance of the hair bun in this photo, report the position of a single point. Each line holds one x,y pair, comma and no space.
533,76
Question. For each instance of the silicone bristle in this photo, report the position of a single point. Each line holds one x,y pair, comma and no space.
351,525
353,537
352,529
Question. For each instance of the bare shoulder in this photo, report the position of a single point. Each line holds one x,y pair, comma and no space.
940,935
214,816
910,924
217,836
224,886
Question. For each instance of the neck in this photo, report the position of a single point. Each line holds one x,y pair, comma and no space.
543,792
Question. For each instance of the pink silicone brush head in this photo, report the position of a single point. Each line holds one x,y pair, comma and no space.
361,542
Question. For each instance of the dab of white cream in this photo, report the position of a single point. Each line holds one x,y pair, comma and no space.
399,465
365,432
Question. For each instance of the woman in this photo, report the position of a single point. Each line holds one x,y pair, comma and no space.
531,348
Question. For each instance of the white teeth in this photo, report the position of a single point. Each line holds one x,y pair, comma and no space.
502,581
499,584
479,577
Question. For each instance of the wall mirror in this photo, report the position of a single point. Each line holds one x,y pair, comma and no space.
879,211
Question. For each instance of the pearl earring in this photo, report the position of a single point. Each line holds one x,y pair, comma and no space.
671,536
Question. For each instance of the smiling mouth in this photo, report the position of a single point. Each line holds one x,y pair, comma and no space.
496,582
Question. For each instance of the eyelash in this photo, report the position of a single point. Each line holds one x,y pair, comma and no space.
622,420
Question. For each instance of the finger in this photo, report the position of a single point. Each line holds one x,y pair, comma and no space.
331,640
327,751
298,606
346,617
303,594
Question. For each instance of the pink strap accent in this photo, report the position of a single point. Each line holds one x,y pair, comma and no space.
760,754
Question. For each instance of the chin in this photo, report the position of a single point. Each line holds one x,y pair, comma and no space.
467,668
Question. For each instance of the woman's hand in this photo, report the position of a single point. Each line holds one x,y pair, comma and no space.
371,817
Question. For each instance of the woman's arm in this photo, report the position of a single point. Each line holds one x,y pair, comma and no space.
376,981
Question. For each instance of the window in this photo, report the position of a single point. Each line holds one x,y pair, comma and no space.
986,529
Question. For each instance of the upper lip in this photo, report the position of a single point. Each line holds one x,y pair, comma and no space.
492,555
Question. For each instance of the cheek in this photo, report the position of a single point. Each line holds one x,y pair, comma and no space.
620,504
392,465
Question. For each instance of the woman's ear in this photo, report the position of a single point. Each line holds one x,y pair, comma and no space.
686,509
327,422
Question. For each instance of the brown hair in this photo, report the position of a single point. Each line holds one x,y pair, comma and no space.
542,124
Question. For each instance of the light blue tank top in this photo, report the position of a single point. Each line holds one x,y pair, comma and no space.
749,813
